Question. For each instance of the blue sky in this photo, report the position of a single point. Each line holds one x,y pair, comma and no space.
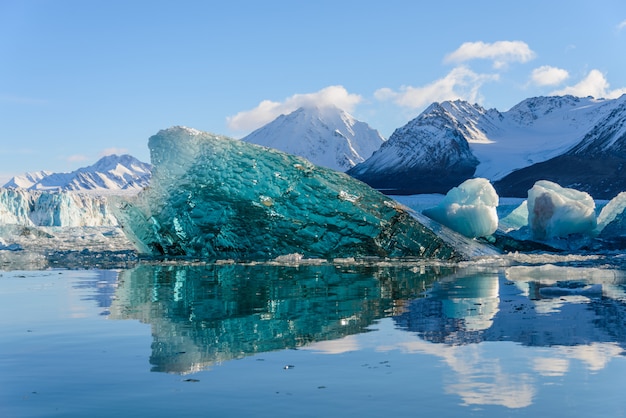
81,79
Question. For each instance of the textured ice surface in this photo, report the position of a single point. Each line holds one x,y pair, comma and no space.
555,211
469,209
214,197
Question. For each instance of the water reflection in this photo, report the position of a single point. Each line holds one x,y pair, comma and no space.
534,306
202,315
481,322
575,314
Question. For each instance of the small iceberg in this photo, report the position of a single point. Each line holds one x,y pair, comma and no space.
469,209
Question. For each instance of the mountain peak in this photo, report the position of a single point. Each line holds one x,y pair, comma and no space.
456,133
110,174
325,135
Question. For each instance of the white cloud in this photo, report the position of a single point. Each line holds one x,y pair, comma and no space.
111,151
460,83
594,84
501,52
268,110
548,76
621,25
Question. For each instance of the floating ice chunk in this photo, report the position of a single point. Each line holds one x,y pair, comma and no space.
555,211
612,220
219,198
515,220
469,209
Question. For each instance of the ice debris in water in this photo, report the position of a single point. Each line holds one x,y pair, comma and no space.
555,211
469,209
215,197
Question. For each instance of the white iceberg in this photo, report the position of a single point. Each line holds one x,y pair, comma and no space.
558,212
469,209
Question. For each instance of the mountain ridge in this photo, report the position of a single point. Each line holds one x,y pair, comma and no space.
500,144
110,174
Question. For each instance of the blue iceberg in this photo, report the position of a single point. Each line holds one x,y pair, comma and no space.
213,197
470,209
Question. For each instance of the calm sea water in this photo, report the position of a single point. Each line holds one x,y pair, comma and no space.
512,336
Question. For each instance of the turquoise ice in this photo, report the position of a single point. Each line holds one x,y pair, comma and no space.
214,197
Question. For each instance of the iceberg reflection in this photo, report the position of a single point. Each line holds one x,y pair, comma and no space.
539,335
500,331
543,305
203,315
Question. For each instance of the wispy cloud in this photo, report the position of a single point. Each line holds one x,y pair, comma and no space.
548,76
268,110
460,83
21,100
621,25
111,151
594,84
501,53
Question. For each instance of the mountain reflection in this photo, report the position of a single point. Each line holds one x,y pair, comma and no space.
576,313
546,319
206,314
533,306
203,315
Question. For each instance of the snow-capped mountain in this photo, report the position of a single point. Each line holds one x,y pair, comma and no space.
27,180
596,164
110,174
326,136
450,139
427,155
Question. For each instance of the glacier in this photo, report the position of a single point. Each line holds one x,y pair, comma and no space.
469,209
59,209
215,197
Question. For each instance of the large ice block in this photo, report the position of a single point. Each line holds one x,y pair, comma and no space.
215,197
555,211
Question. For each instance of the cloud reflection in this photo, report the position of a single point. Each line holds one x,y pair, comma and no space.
498,334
